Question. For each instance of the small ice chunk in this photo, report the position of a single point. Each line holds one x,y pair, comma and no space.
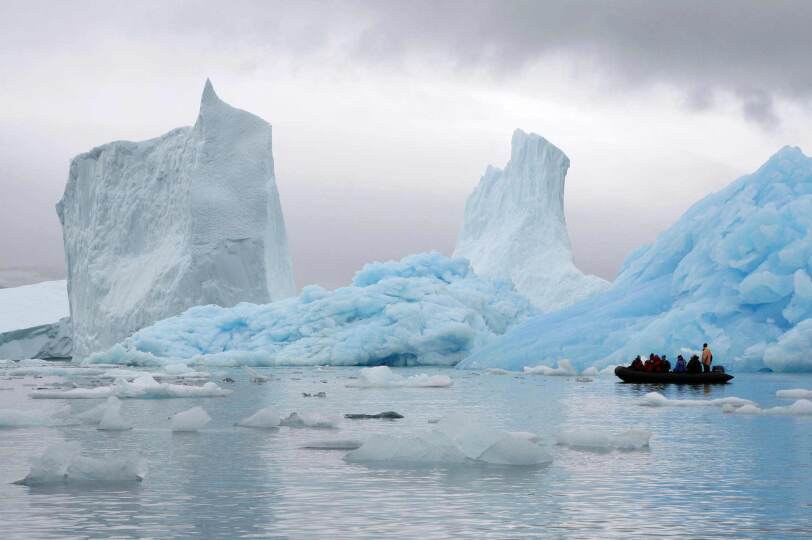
310,420
590,372
191,420
111,419
802,407
263,419
384,377
256,376
515,451
564,369
595,440
656,399
794,393
499,371
335,444
63,462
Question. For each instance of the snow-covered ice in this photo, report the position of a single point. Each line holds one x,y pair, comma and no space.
34,321
734,271
426,309
192,420
143,387
266,418
514,226
597,440
656,399
385,377
155,227
64,463
794,393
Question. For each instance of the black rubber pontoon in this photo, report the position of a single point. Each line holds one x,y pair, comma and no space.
641,377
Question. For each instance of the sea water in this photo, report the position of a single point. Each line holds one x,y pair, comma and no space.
706,473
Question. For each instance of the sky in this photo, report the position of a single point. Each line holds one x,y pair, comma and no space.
387,113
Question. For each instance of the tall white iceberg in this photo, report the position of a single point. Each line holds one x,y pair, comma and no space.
734,271
34,321
515,228
192,217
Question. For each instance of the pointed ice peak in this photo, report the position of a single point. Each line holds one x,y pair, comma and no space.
209,95
530,146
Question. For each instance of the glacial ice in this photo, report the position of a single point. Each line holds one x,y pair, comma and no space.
514,226
111,419
64,463
564,369
143,387
192,420
34,321
456,439
596,440
384,377
656,399
310,420
262,419
802,407
734,271
426,309
190,218
794,393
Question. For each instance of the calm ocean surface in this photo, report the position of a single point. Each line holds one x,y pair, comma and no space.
706,475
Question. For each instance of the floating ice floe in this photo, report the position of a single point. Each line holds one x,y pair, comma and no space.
191,420
591,371
802,407
310,420
265,418
16,418
111,419
596,440
500,371
564,368
333,444
656,399
384,377
794,393
457,439
144,387
64,463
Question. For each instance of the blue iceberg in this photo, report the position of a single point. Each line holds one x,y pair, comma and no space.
734,271
426,309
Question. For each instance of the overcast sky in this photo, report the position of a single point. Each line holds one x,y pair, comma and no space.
386,114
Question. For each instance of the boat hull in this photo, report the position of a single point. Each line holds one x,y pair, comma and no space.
641,377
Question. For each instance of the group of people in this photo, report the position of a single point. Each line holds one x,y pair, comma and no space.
658,364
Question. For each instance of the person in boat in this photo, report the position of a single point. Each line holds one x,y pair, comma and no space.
694,366
666,365
648,367
680,366
707,358
637,364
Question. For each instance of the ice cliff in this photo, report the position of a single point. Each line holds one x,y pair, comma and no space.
424,309
514,226
734,271
152,228
34,321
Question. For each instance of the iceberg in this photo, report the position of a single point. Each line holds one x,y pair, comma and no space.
802,407
34,321
190,218
514,226
64,463
656,399
384,377
262,419
794,393
426,309
192,420
595,440
111,419
734,271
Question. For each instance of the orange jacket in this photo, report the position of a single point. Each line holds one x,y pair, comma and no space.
707,356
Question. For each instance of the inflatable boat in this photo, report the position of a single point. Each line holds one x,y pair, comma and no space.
633,376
